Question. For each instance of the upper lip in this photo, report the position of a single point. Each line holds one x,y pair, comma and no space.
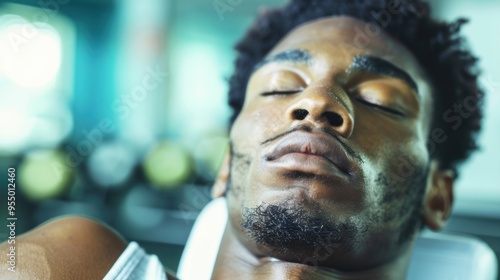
318,144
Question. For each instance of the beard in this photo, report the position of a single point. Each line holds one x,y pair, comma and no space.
287,227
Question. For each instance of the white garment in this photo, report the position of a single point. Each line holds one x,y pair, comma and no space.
199,256
134,264
204,242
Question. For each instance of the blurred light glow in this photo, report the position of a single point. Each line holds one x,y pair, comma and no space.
52,123
193,59
15,128
135,208
44,175
167,165
33,93
30,54
111,164
209,155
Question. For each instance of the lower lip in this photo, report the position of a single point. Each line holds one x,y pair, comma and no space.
307,163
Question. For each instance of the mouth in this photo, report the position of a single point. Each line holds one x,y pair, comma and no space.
311,153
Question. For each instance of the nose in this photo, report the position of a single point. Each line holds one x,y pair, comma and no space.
324,106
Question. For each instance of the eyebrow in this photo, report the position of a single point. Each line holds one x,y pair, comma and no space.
379,66
292,56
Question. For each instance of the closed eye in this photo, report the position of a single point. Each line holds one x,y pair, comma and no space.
282,92
380,107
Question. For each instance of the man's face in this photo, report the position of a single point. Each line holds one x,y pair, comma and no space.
329,159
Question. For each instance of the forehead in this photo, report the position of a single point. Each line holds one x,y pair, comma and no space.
342,38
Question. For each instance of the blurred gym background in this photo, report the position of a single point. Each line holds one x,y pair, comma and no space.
116,109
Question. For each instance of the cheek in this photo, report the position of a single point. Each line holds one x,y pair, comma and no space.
381,139
268,117
399,162
396,178
254,125
395,155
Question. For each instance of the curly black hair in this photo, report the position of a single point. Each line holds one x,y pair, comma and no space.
438,47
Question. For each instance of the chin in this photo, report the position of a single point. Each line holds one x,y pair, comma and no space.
291,230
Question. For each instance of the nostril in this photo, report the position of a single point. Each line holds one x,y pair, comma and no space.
334,119
300,114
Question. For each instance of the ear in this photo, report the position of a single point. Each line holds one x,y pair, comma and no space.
438,199
220,185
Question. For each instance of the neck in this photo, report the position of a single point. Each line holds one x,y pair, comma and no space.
234,260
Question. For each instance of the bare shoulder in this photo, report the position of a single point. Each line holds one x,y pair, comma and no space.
65,248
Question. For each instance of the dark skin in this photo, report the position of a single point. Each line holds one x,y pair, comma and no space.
332,144
66,248
327,126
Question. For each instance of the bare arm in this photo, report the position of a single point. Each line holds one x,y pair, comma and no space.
65,248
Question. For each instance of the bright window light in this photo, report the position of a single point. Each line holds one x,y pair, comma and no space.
15,128
30,54
36,70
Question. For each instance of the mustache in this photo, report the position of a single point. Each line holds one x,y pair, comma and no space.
306,128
